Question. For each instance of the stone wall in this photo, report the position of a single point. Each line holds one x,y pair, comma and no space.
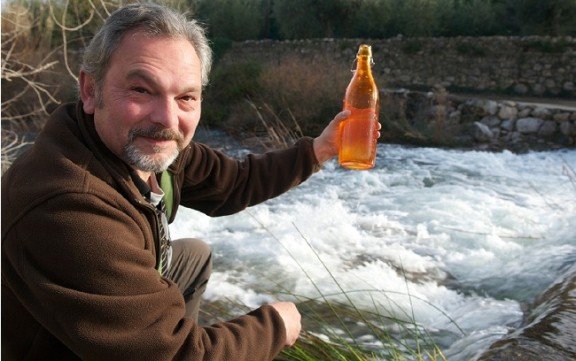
522,65
497,67
485,123
522,126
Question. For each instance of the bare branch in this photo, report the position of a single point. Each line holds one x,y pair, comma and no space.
103,4
62,24
9,74
12,145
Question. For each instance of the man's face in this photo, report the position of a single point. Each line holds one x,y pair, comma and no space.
150,100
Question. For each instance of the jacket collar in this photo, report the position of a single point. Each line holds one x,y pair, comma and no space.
119,171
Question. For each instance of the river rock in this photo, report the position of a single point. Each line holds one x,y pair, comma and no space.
508,112
528,125
508,124
524,112
541,112
482,132
513,138
491,121
561,117
547,129
455,116
568,129
490,107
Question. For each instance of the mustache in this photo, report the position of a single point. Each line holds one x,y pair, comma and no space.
156,133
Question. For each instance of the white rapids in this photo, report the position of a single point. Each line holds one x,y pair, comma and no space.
448,237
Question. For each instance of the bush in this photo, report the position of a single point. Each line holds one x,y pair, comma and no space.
230,86
296,93
309,92
231,19
26,56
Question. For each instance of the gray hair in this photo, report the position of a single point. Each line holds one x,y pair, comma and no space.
153,19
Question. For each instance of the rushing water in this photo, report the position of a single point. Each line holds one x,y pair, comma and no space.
447,237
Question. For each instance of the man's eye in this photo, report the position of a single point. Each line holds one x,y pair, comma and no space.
140,90
189,98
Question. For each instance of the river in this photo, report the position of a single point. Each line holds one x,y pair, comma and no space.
458,241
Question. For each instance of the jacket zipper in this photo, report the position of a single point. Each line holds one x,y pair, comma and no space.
155,227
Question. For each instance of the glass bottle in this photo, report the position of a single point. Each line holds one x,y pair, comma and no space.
359,131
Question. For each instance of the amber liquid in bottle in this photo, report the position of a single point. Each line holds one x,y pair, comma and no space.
359,131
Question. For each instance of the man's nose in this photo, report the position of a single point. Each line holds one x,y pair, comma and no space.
165,113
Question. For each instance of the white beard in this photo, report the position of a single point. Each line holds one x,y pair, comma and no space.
149,163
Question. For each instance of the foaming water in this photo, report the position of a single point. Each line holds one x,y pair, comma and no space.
457,240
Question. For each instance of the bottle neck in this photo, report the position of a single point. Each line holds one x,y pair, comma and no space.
364,64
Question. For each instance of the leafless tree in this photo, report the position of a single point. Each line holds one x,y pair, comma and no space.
39,59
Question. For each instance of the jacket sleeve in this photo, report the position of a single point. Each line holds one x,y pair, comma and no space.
220,185
83,267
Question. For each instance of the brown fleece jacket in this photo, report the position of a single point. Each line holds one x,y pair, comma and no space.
79,250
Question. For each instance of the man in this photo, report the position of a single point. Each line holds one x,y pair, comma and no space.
88,270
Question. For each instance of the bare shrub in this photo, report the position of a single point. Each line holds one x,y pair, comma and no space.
309,90
12,146
26,55
278,132
40,60
281,100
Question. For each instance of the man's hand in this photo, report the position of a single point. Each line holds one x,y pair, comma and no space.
327,144
291,318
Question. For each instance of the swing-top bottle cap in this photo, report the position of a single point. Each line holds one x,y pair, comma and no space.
365,50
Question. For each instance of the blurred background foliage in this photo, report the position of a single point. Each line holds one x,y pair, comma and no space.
296,19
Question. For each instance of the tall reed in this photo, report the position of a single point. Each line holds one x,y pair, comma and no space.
337,329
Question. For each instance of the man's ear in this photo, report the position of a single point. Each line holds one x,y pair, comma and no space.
87,92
